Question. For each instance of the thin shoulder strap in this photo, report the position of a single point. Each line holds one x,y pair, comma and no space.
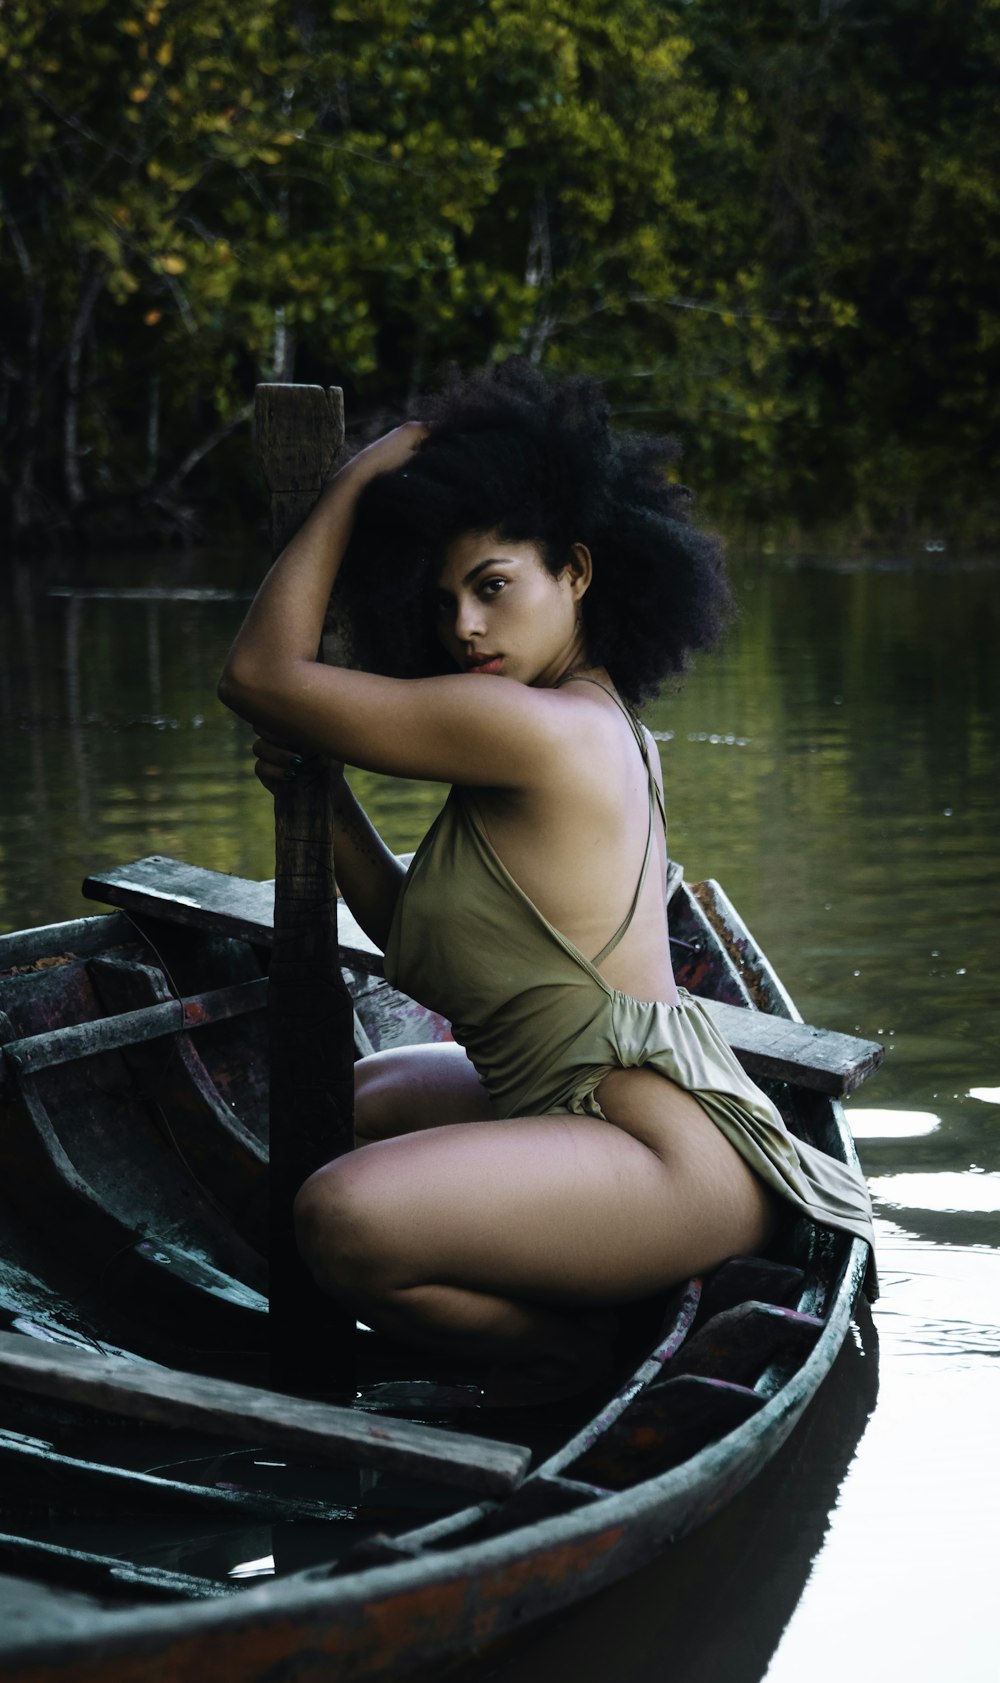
654,796
636,729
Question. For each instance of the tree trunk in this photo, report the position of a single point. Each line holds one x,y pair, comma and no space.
24,498
89,294
311,1019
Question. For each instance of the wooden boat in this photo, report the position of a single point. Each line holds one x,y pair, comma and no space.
148,1467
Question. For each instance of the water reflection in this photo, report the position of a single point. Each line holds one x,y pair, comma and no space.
971,1191
906,1581
891,1124
714,1607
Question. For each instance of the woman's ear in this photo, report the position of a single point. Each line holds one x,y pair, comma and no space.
580,568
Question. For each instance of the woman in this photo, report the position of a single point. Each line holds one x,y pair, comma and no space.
516,571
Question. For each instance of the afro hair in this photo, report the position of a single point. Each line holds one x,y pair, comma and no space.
512,452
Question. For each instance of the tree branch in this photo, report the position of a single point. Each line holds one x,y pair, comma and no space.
90,292
200,451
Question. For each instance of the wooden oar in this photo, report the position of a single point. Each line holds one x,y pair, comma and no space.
299,433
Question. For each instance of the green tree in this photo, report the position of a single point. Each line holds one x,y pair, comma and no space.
769,226
870,199
190,206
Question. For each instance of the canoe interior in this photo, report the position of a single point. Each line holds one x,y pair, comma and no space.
133,1216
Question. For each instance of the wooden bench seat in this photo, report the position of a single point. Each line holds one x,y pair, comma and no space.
160,888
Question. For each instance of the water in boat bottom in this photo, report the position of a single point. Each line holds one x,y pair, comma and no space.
836,766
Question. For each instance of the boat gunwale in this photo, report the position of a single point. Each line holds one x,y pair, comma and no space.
659,1500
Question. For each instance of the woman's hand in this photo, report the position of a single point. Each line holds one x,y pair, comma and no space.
276,764
393,450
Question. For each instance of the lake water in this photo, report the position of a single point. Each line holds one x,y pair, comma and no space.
838,768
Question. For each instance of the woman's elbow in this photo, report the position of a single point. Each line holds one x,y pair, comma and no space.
236,688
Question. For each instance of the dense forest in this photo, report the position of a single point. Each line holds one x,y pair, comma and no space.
771,225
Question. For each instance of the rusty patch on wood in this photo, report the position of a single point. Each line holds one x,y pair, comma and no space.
368,1640
50,962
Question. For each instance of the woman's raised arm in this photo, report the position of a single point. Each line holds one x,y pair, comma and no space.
450,729
285,623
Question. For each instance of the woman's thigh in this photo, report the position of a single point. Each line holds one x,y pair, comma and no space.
562,1210
716,1191
409,1088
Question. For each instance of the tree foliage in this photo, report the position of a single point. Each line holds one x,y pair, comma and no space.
767,225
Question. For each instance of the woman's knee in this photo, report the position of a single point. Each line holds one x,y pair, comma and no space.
376,1096
408,1089
341,1238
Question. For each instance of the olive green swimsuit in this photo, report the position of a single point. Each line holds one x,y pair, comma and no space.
543,1028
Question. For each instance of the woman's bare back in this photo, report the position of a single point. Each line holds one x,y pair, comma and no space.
575,846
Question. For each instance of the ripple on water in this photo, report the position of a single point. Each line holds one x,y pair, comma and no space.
945,1207
938,1301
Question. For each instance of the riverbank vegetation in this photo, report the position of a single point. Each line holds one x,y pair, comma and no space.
771,227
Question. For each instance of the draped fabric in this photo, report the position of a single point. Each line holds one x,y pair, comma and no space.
543,1027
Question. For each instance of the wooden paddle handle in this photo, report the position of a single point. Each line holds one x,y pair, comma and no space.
299,434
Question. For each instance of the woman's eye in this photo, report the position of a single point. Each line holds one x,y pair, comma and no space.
493,587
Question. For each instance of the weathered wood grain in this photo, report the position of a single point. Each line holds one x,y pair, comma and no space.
228,1161
131,1028
106,1575
28,1466
22,949
294,1425
168,889
737,1344
298,433
822,1059
665,1425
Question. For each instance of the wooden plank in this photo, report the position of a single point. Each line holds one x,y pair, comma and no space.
188,895
76,1569
270,1419
228,1161
757,1277
817,1058
664,1426
821,1059
739,1343
197,898
98,1487
51,943
128,1028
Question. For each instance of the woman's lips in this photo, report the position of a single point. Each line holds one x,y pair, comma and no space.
488,663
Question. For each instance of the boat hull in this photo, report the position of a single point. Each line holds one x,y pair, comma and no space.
612,1493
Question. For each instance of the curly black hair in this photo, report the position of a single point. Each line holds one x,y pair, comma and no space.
531,459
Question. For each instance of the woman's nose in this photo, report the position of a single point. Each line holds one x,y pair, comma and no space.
468,620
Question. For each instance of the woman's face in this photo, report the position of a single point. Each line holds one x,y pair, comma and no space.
500,611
